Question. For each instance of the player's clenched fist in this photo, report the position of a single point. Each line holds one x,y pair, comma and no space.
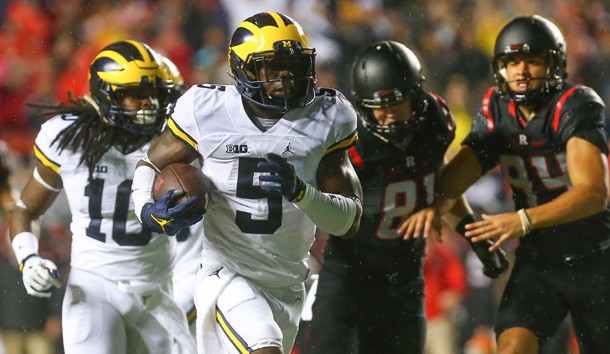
39,276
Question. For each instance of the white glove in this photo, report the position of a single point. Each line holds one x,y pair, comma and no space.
39,275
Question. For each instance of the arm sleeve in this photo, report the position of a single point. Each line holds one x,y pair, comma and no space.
332,213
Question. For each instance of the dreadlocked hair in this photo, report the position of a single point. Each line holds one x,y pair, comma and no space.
88,132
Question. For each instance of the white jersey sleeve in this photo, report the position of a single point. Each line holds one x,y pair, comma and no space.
344,130
256,234
107,238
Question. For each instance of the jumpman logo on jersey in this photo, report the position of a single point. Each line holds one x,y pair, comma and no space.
287,149
216,272
297,299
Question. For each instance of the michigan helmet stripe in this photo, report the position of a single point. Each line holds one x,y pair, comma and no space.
147,56
252,38
279,19
142,54
132,68
131,73
111,54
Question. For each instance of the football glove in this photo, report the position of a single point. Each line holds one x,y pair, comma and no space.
162,217
494,263
39,276
283,177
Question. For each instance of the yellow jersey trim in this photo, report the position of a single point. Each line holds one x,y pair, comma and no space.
343,144
180,134
45,160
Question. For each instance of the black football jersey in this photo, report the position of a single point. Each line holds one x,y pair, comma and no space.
395,184
532,157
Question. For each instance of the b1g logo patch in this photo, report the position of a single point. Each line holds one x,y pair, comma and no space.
237,149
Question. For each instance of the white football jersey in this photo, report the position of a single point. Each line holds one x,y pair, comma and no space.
258,235
107,238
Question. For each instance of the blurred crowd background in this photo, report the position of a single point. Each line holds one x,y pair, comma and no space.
46,48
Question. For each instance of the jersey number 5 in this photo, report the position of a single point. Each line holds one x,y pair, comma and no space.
246,189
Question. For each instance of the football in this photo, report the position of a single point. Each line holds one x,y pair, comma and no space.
184,176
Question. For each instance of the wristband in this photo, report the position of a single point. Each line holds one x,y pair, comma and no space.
141,188
527,217
22,264
526,225
25,244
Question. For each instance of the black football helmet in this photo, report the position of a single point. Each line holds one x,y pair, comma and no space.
385,74
270,39
119,68
530,35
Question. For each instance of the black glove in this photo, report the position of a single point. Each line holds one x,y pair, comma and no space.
494,263
282,174
161,217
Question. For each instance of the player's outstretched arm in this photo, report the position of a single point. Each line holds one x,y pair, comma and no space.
39,275
588,171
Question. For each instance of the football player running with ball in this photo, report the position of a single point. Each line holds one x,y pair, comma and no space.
275,148
118,295
547,135
403,138
188,249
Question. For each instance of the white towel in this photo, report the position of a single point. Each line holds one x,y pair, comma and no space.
212,279
310,298
163,308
